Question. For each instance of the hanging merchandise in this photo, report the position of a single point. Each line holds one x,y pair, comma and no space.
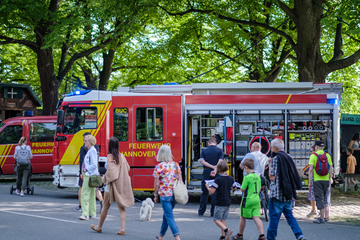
265,144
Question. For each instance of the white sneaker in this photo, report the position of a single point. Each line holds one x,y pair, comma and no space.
92,217
22,195
83,218
17,193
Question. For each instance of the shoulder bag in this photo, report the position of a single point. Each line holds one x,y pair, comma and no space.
95,181
180,191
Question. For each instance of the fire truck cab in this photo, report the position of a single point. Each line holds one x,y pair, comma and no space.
186,116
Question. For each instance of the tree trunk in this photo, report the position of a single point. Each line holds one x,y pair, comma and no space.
89,77
311,66
107,69
49,82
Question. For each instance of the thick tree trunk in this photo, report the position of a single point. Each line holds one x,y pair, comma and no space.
49,82
311,66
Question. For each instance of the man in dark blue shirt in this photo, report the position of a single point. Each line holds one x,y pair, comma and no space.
210,157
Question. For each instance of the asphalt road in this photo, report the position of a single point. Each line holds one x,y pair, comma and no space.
49,214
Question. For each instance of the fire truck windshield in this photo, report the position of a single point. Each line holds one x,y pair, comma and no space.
79,118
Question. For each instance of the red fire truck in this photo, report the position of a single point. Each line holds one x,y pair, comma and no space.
186,116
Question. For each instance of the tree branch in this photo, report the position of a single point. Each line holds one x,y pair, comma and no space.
83,54
262,25
127,67
356,40
343,63
191,10
290,12
338,44
32,45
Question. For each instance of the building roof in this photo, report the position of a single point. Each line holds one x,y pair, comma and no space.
25,86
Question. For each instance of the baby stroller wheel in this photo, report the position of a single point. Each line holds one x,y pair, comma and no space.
28,190
11,189
32,190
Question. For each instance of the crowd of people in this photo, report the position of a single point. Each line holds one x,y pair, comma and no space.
282,172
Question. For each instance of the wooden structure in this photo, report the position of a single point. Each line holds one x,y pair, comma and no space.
17,100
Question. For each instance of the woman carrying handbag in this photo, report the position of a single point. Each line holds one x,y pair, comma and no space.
165,173
90,168
118,186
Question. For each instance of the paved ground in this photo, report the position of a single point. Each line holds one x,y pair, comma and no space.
49,214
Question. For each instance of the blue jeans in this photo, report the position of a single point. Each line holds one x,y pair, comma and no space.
205,194
168,204
277,207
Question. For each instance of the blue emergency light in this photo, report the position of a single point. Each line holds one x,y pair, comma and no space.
78,92
333,101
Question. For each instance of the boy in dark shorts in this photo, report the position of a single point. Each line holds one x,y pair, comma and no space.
222,185
250,203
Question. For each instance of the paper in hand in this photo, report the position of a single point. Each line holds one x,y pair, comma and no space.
210,182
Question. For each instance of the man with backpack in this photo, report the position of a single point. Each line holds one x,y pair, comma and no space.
321,169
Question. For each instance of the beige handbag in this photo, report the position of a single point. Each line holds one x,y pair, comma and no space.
180,191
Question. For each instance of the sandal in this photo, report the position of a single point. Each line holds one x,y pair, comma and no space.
120,233
238,236
158,237
93,227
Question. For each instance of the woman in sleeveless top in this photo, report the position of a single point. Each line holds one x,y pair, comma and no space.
118,186
355,145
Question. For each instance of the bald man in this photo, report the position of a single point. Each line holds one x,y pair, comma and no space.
259,158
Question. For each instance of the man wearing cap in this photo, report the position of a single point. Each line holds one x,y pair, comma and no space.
321,183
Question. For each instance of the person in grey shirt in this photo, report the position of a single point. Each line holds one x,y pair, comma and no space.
260,159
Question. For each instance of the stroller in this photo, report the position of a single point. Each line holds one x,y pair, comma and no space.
29,189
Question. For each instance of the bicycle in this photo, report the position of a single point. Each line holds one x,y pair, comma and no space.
264,197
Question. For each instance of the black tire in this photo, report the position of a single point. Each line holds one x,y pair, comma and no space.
28,190
11,189
32,190
264,205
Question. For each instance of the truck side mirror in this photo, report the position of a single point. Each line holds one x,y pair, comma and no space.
58,129
60,117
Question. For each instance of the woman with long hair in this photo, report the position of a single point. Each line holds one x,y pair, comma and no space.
23,168
165,173
118,186
90,167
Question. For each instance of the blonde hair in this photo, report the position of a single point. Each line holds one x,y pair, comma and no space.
22,140
164,154
92,139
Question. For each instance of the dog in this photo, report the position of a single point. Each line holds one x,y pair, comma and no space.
146,210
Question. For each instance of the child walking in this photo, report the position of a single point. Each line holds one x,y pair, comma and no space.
250,203
222,185
351,163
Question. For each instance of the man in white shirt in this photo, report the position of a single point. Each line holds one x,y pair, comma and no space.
260,159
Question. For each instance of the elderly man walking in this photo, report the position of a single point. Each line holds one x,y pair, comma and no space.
259,158
285,180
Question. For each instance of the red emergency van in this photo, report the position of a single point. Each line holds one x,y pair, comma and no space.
39,131
186,116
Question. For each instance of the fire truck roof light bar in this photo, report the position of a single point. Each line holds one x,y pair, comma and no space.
78,92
